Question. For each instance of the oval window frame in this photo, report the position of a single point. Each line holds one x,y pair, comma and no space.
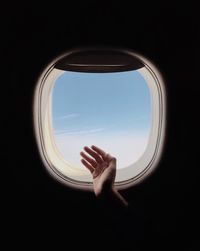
52,159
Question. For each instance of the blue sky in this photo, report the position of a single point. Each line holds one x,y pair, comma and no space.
100,107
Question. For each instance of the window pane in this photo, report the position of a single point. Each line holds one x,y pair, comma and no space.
110,110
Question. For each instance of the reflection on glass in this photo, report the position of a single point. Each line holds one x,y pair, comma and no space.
110,110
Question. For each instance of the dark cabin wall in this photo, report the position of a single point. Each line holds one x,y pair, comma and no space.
163,209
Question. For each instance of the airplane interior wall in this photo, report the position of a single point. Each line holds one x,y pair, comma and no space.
163,210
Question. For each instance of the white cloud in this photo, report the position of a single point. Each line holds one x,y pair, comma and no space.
68,116
78,132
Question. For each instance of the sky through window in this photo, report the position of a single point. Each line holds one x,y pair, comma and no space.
110,110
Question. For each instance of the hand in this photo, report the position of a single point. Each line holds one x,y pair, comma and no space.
102,167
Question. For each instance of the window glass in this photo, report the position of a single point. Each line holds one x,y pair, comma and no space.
110,110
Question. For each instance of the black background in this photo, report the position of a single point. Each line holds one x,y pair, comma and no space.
39,212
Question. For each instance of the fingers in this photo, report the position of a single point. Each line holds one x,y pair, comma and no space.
96,158
94,154
87,165
99,151
110,158
104,155
91,161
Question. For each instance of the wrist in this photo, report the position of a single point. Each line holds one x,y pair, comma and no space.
112,196
104,191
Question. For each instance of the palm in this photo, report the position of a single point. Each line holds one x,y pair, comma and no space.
102,167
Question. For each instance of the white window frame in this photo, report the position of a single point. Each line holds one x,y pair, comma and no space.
69,175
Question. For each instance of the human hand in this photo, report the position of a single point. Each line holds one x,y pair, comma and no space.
102,167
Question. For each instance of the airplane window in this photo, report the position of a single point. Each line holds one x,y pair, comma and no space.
111,110
118,105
